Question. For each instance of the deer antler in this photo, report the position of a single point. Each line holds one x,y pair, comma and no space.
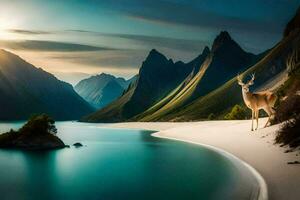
239,79
251,82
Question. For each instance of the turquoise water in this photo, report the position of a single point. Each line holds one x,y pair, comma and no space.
120,164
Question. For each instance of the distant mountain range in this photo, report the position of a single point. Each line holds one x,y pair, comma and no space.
164,87
102,89
25,90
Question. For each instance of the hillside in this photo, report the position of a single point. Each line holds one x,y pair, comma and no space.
224,61
293,25
158,76
272,64
114,111
102,89
25,90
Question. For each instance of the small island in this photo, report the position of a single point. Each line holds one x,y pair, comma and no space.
39,133
77,144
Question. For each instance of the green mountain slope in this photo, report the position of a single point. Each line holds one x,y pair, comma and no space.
222,99
114,111
177,97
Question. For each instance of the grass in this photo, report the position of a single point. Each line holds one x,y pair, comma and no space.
238,112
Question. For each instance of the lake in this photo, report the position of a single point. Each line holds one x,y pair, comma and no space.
120,164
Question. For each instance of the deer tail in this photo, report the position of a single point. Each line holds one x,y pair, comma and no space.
272,99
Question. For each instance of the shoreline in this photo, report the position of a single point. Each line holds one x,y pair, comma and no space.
263,189
256,149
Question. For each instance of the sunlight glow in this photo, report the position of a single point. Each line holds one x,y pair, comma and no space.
6,23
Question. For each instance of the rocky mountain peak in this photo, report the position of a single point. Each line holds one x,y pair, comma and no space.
223,40
155,55
206,50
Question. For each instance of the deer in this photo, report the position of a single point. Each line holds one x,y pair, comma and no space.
257,100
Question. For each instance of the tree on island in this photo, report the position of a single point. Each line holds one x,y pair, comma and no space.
38,133
39,124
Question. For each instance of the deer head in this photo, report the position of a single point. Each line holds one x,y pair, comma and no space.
245,86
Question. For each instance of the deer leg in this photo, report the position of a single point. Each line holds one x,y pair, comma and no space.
269,112
256,115
273,111
252,120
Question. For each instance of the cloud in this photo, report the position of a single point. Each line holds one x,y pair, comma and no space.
149,42
81,31
213,14
71,77
41,45
29,32
188,16
114,59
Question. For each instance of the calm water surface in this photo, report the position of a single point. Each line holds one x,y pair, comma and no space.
120,164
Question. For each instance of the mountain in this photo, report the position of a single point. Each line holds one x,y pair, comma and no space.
125,83
222,99
25,90
102,89
164,86
158,76
228,58
224,61
269,71
293,25
111,91
112,112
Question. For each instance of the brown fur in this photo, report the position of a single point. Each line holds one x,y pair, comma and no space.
259,100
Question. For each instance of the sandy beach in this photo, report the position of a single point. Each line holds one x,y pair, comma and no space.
254,148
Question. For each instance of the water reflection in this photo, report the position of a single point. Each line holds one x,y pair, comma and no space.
40,172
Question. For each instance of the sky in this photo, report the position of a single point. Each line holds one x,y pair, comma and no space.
74,39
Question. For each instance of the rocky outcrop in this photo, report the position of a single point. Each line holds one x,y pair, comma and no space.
30,142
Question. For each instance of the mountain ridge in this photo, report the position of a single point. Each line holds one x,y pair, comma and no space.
92,89
26,89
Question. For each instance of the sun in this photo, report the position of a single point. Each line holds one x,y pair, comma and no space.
7,23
